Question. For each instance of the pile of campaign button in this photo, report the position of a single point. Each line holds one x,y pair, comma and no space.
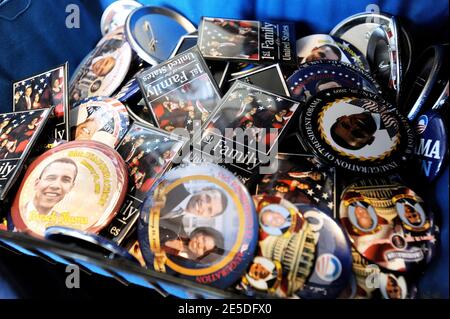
330,221
101,119
326,47
313,77
369,281
153,32
388,224
432,144
199,222
103,70
116,14
356,131
302,252
89,241
79,184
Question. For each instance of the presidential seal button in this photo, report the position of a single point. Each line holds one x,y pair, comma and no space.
79,184
313,77
88,241
199,222
326,47
357,131
116,14
154,32
99,119
103,70
432,144
388,224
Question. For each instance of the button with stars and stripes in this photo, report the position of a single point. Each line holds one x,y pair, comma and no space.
301,181
315,76
199,222
326,47
356,130
388,224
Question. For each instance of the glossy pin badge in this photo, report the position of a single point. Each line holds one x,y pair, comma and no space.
388,224
153,32
357,131
432,144
313,77
199,222
79,184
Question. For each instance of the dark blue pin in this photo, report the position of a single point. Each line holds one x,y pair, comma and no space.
333,263
432,144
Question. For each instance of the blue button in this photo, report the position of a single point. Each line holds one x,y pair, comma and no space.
432,144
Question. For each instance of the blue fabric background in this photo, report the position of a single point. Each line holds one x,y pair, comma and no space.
38,39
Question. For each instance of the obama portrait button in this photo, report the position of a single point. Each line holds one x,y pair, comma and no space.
80,185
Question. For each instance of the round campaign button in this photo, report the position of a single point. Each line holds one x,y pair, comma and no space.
313,77
78,184
326,47
357,131
427,81
302,252
333,262
383,56
384,42
103,70
388,224
101,119
286,250
153,32
116,14
199,222
432,144
372,282
88,241
442,100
